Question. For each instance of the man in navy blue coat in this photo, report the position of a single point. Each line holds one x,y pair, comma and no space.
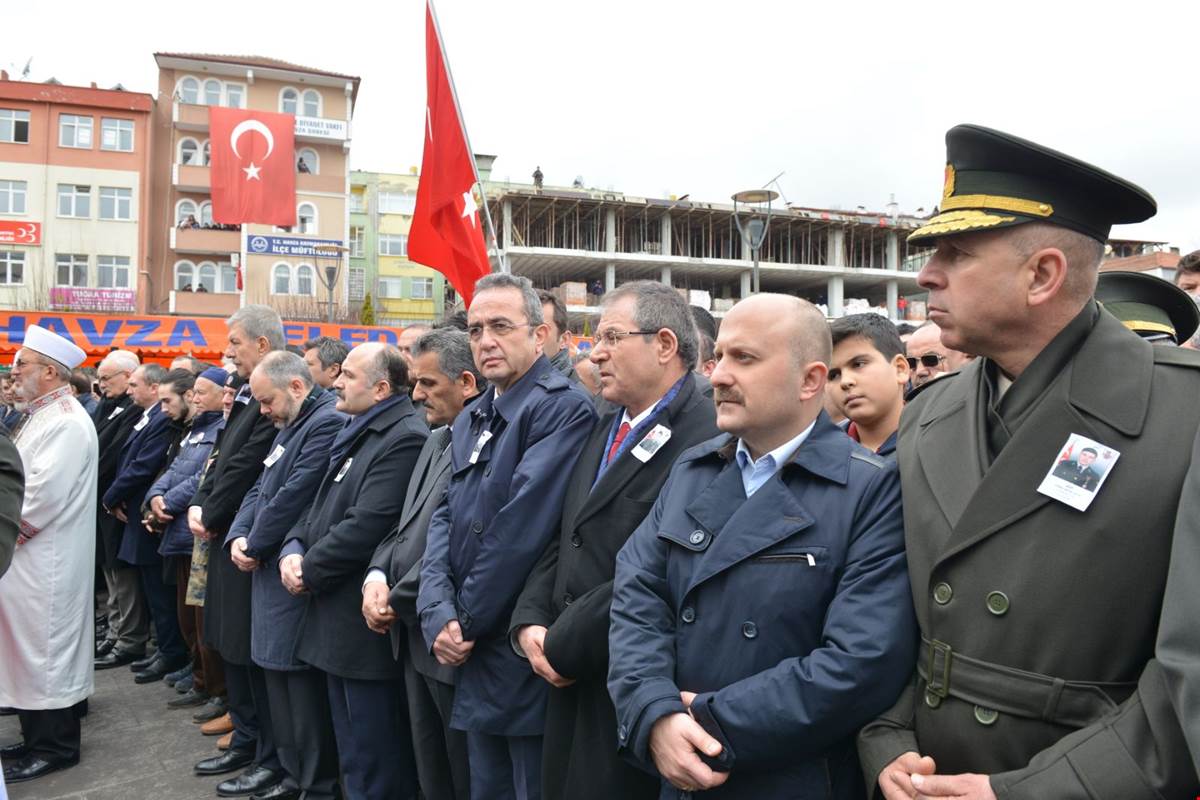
511,455
761,613
142,459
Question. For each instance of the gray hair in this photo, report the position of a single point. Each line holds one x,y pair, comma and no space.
123,360
257,322
453,348
281,368
330,351
153,373
503,280
658,306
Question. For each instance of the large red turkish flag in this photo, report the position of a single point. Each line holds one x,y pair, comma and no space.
253,166
446,232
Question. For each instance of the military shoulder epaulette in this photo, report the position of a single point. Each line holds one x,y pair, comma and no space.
553,382
1177,356
912,394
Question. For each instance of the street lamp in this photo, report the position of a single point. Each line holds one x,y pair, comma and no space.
329,262
754,230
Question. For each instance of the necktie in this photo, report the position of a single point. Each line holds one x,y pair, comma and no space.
622,432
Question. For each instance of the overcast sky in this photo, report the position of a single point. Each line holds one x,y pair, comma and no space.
654,97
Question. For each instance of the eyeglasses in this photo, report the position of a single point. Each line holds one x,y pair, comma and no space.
500,328
107,378
18,364
930,360
611,337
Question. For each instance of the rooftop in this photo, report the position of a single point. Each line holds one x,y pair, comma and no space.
31,92
262,62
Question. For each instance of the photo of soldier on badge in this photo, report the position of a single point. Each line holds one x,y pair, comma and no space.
1078,471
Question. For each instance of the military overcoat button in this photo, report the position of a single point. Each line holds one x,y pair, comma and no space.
932,700
749,630
697,537
576,540
477,526
942,594
997,603
688,614
986,716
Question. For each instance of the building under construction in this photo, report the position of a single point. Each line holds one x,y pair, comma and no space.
844,261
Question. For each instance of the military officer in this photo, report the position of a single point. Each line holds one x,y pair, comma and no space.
1150,307
1038,674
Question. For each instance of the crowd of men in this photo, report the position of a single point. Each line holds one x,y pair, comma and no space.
473,566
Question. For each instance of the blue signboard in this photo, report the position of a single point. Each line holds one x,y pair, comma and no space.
293,246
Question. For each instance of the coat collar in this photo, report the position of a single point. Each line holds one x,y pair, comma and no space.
507,404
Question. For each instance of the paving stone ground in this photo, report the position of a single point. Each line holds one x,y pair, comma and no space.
134,748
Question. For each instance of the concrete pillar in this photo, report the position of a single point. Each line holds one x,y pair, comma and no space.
506,225
610,231
666,276
747,251
666,237
833,296
835,253
893,294
893,252
745,288
610,276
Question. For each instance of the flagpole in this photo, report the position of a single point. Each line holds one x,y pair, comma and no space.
487,214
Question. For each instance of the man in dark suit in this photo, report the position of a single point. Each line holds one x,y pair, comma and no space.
142,458
12,494
245,442
128,626
1079,471
561,619
511,452
444,379
1027,685
357,505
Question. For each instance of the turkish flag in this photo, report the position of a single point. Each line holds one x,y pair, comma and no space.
253,166
446,232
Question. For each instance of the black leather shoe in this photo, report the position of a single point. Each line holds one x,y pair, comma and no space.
143,663
11,752
214,708
155,672
31,767
252,781
104,648
229,761
115,659
192,698
284,790
7,711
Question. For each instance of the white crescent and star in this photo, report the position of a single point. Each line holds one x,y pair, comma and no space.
246,126
469,206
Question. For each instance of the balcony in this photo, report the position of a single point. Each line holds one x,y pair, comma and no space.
201,241
189,117
197,180
204,304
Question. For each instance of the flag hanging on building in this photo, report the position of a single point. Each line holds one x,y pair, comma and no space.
447,233
253,167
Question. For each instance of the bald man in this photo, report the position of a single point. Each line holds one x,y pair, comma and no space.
762,609
928,357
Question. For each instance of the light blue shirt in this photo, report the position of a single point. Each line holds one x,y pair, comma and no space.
756,473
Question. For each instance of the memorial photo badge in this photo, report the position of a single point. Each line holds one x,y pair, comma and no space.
1079,470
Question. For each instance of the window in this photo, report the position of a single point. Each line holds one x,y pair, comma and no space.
312,103
71,269
184,210
206,276
14,126
206,213
396,203
189,91
281,279
304,280
113,272
391,287
12,268
422,288
188,151
74,131
357,242
185,272
358,204
393,244
74,201
12,197
308,161
228,282
116,203
288,100
234,93
206,154
212,93
306,218
116,134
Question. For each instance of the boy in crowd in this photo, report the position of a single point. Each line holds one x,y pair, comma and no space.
867,379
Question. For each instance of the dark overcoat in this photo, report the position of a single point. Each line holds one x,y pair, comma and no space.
357,505
788,613
142,458
114,421
1041,667
570,593
12,497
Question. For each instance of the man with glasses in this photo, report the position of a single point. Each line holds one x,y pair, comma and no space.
46,596
645,349
511,454
928,357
